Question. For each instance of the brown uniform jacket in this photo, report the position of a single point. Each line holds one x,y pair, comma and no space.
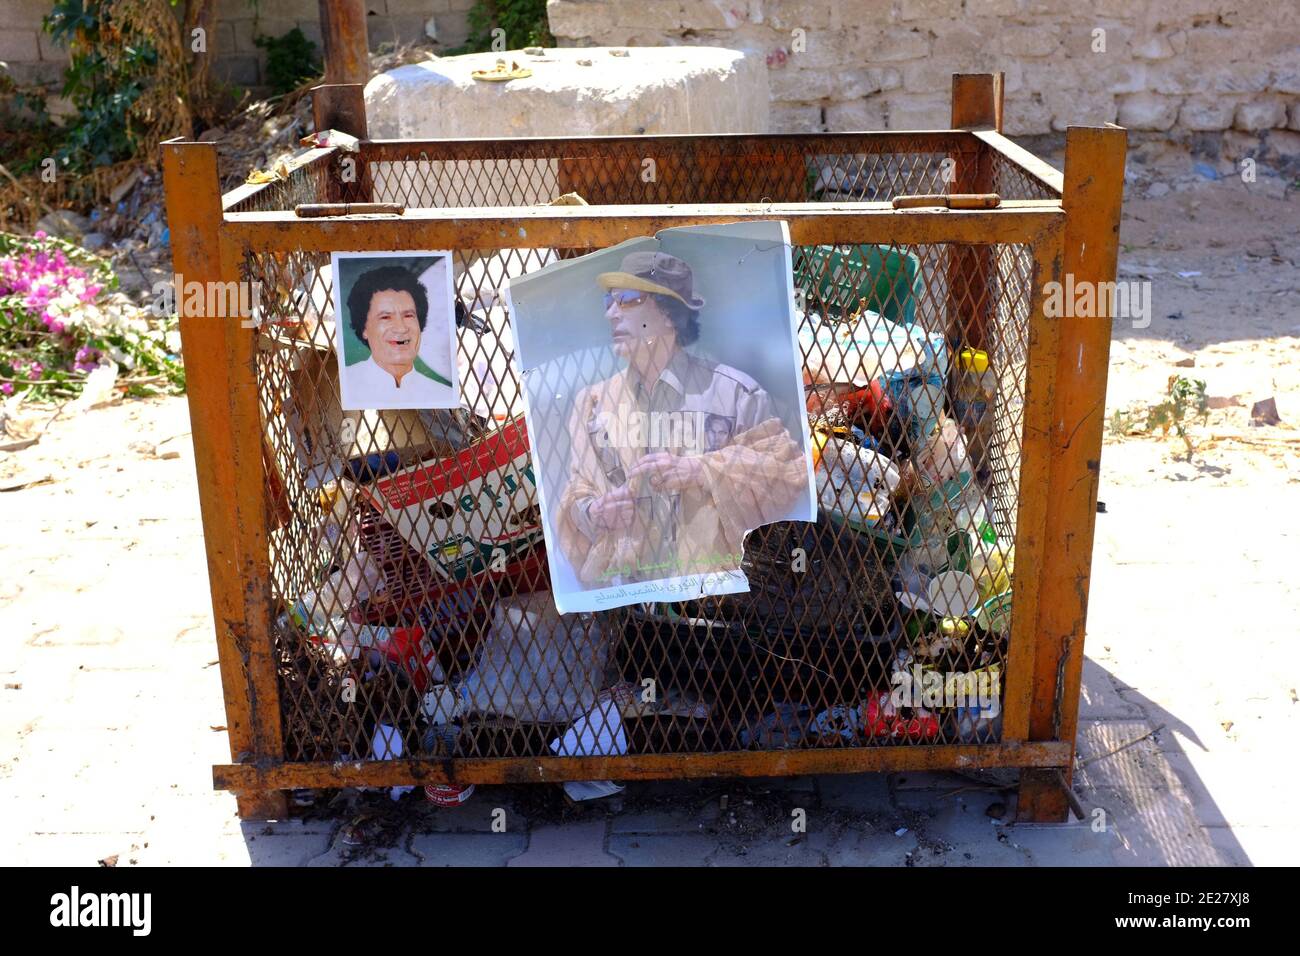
753,471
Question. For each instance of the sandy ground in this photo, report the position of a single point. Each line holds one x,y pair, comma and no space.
112,705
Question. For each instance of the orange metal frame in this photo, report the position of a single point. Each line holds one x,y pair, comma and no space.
1075,231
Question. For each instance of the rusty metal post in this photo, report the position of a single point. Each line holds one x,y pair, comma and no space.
1092,198
347,47
340,106
343,107
976,104
226,429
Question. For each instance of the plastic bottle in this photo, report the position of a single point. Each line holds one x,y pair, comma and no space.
973,404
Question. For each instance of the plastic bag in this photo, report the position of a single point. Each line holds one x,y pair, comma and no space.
536,665
855,482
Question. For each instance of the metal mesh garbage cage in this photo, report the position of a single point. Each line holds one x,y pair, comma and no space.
367,567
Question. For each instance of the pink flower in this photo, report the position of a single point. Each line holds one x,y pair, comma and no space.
35,370
7,388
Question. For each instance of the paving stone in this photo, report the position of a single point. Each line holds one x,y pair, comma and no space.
854,791
1230,789
1099,698
467,849
663,849
854,846
1141,764
926,780
573,844
476,815
341,855
661,820
1255,846
771,852
1155,827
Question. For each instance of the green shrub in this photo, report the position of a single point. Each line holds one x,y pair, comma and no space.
524,23
290,60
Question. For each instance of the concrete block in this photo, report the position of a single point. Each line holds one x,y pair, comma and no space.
25,14
20,46
656,90
241,70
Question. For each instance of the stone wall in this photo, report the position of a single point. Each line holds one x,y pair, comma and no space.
1165,65
33,58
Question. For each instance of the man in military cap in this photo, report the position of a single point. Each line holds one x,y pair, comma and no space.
675,457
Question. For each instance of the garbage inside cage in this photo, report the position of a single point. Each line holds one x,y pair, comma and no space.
416,616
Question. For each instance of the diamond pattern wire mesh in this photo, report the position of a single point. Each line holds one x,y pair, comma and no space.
408,566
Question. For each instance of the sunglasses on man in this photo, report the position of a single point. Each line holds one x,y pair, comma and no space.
625,297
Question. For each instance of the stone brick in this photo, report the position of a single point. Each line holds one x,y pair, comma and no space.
571,18
865,114
1026,116
22,14
796,118
1287,80
37,74
992,8
929,9
1153,47
859,83
247,31
802,86
892,44
242,70
926,76
1260,115
424,8
402,30
963,47
919,111
1295,117
1148,111
20,46
1207,112
803,15
1038,40
222,42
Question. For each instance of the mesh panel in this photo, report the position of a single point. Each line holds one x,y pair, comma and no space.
375,618
840,168
406,551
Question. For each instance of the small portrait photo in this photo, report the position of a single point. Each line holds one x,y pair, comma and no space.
664,399
395,330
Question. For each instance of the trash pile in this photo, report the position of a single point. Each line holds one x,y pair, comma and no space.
429,629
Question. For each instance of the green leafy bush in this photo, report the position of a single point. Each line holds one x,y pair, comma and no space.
524,23
290,60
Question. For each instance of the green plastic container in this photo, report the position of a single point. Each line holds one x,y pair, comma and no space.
884,279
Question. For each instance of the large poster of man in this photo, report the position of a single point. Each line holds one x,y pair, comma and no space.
664,402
